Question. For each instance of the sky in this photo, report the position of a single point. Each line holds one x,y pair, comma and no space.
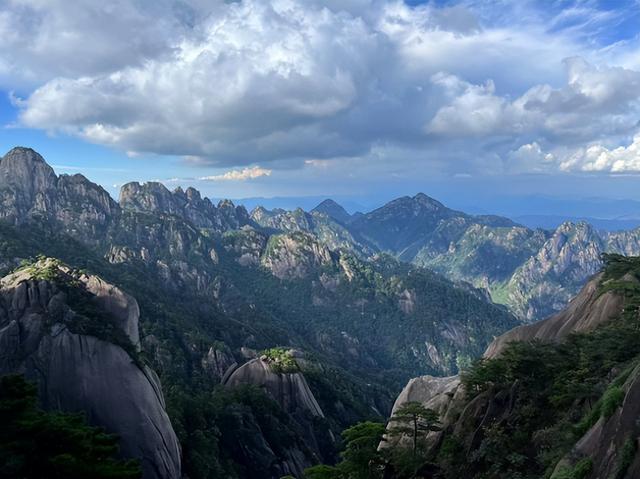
371,99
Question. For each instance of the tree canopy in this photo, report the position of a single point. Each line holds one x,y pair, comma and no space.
36,445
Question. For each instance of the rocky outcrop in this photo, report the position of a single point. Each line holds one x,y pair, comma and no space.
77,336
282,220
585,312
27,185
436,393
545,282
294,255
30,190
289,389
218,361
246,245
155,198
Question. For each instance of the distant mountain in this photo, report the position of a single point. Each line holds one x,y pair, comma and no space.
514,206
328,230
551,222
333,210
533,271
408,224
307,203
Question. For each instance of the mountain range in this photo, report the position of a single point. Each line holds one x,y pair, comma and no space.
256,337
534,272
222,298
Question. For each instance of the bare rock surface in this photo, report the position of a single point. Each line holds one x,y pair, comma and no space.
290,390
585,312
81,372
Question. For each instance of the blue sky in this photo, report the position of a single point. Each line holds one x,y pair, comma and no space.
367,98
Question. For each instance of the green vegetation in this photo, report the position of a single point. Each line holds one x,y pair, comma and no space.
556,392
414,420
211,425
626,458
41,268
580,471
35,444
281,360
360,458
611,401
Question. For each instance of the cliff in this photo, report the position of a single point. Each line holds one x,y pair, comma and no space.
77,337
558,398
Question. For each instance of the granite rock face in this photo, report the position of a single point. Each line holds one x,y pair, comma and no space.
27,184
606,440
41,337
294,255
29,189
291,391
155,198
436,393
588,310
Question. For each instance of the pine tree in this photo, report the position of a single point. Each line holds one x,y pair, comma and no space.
36,445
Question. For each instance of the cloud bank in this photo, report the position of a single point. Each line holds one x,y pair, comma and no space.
296,83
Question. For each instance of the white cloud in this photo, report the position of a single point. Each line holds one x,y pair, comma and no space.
530,157
42,40
472,110
239,175
598,158
594,101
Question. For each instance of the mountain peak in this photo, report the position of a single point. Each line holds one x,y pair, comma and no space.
24,171
134,194
24,153
328,203
25,164
333,210
425,200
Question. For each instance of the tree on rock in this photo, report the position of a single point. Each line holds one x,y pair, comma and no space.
414,420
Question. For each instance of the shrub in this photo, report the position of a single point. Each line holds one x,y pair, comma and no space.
611,401
281,360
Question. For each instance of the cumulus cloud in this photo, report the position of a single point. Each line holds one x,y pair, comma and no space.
598,158
57,38
239,175
309,82
594,101
530,158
